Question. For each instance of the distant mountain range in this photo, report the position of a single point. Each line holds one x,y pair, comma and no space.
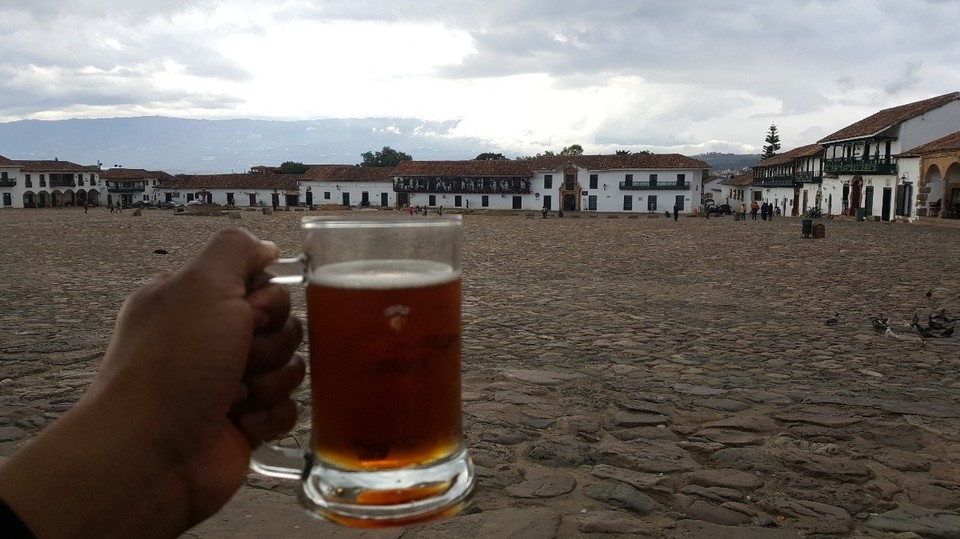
728,161
178,145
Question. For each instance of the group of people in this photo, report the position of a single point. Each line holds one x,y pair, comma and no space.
766,210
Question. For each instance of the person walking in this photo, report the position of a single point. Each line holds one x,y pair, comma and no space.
743,212
676,211
754,208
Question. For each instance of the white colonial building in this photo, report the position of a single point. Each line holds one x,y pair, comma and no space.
348,185
48,184
638,183
792,181
133,185
252,189
860,162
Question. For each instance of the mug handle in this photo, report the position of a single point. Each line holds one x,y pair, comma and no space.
268,459
281,462
288,270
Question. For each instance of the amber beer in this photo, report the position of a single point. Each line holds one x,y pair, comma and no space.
384,363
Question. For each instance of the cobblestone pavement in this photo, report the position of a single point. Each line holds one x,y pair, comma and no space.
622,376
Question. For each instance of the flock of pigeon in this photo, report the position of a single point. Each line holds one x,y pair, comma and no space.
939,325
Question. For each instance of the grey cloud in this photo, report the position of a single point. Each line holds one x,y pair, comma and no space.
905,79
106,10
105,63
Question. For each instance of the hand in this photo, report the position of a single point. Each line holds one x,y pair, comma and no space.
200,370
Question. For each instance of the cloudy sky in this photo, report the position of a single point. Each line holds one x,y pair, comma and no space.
684,76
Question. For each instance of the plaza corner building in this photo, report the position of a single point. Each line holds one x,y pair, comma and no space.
635,183
48,184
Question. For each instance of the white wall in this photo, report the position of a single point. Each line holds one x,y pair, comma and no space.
325,193
930,126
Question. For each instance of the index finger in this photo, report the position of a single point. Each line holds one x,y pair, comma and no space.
236,253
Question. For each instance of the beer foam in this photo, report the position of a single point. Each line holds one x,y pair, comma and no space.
383,274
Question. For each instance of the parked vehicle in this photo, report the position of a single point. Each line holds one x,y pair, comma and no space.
712,208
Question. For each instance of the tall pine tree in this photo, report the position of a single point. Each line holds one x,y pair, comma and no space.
772,143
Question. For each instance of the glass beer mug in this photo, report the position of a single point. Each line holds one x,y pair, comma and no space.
383,318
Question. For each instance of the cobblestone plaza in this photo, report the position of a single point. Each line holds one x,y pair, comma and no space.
622,376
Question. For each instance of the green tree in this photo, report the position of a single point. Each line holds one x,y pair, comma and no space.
490,156
772,143
388,157
292,167
573,149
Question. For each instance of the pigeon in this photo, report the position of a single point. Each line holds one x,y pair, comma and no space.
161,252
880,324
940,320
936,322
833,320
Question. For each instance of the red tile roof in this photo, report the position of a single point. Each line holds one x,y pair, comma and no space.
233,181
349,173
5,161
950,142
809,150
54,165
526,167
888,118
619,162
133,174
488,167
741,180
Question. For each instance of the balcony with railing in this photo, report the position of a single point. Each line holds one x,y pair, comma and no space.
809,177
8,182
654,186
774,181
63,181
464,185
859,166
126,189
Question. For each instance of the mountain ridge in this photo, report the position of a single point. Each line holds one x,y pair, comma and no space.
200,146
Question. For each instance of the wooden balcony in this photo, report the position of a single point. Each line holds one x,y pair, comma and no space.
858,166
774,181
463,185
654,186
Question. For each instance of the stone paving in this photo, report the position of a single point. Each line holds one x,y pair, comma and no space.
623,377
